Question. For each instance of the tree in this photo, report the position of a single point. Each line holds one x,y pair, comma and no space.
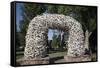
87,16
60,39
54,41
17,41
52,8
28,11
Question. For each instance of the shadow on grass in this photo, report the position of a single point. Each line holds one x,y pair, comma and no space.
19,55
52,60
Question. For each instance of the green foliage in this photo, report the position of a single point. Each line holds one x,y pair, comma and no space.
65,9
17,40
92,25
60,42
87,16
52,8
54,41
28,11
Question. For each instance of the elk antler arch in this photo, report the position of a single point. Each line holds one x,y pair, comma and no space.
36,37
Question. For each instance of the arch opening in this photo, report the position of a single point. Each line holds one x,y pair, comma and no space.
56,41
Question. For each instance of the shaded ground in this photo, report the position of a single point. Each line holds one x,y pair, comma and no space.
51,55
56,57
19,54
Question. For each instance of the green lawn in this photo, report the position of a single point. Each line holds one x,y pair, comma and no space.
57,54
94,57
19,54
51,54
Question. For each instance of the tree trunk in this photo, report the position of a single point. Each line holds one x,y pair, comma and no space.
86,40
87,35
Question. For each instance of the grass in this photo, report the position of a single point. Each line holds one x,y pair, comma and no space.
94,57
20,54
56,51
51,54
57,54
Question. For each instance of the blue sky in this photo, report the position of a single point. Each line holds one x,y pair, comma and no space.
19,17
50,34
